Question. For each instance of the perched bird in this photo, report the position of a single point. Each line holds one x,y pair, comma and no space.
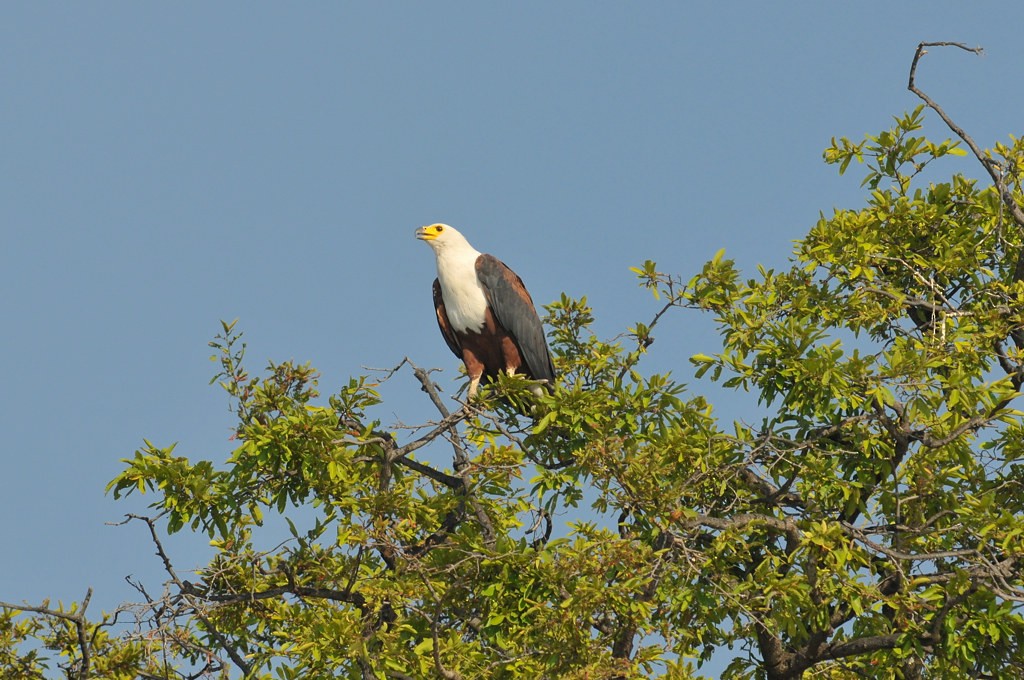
484,312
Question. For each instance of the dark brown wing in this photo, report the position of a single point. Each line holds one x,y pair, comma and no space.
513,308
443,323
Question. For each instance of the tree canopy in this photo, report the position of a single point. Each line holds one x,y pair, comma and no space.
867,520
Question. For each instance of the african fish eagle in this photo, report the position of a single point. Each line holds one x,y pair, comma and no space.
484,312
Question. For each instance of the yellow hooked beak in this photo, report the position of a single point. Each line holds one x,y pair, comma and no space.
429,233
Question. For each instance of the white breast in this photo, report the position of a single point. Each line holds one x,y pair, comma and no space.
463,295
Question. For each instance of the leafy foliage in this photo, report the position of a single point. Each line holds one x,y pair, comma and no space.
868,522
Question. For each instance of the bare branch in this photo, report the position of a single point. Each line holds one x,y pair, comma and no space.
429,386
859,535
957,130
242,664
771,494
863,645
992,167
446,425
427,471
739,521
461,457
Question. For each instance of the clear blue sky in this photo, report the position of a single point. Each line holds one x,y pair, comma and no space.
163,166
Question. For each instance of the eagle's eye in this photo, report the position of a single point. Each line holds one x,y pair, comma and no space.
439,228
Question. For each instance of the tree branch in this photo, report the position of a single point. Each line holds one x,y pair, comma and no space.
989,165
233,653
739,521
863,645
992,167
858,535
399,455
461,458
77,618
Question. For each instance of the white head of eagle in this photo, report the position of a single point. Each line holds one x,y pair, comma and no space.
484,312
